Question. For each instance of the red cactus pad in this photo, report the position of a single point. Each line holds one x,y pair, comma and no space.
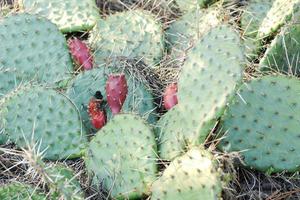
170,96
81,53
99,119
116,91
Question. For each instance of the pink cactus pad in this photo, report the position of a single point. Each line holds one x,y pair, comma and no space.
116,92
81,53
170,96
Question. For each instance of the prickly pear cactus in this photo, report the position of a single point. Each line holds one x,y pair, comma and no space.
134,34
69,15
262,123
192,176
20,191
37,115
281,11
187,30
251,19
122,157
282,54
33,49
139,99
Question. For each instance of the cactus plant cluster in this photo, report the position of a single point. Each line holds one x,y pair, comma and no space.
91,97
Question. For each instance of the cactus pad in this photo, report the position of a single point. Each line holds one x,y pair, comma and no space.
263,124
34,49
38,115
122,157
20,191
69,15
131,34
283,53
280,12
139,99
192,176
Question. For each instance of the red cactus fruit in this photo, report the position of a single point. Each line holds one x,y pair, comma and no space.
99,119
96,111
170,96
80,53
116,91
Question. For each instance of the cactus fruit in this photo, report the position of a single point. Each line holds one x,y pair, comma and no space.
187,30
81,53
192,176
262,123
97,111
122,157
38,52
134,34
282,54
68,15
20,191
280,12
39,115
116,92
139,98
170,96
251,19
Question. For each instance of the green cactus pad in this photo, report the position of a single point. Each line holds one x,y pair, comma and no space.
189,5
122,157
132,34
281,11
206,83
139,99
262,123
251,19
64,183
38,115
187,30
283,53
191,177
34,49
69,15
20,191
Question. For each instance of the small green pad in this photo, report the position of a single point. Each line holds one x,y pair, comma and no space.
122,157
64,183
176,132
189,5
39,115
134,34
187,30
20,191
283,53
251,19
280,12
262,123
68,15
139,99
33,49
192,176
